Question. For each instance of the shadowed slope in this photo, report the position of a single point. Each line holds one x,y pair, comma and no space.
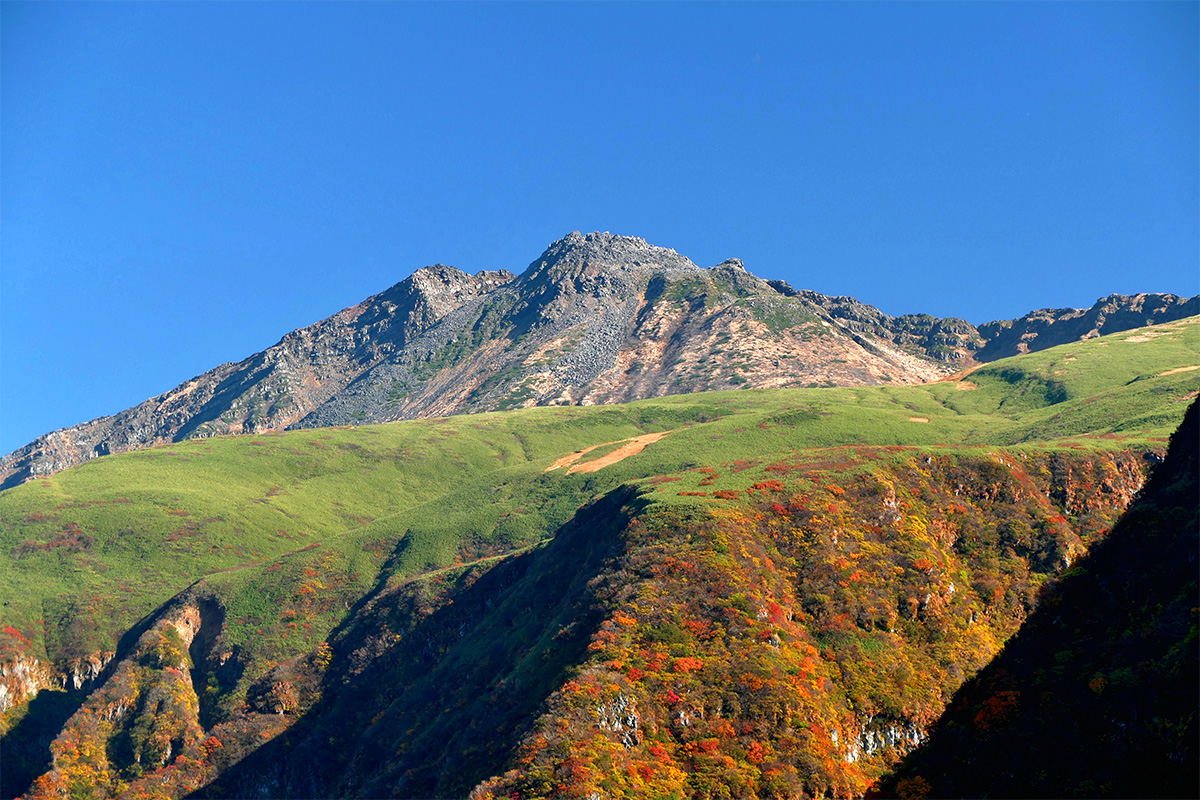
1097,694
425,702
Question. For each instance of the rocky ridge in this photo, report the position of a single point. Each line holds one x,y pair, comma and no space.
1048,327
596,318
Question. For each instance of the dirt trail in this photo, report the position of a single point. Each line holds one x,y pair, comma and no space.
1178,370
958,376
567,461
631,447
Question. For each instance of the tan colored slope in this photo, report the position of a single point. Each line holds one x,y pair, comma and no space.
632,446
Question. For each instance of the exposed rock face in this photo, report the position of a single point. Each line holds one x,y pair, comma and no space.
144,715
596,318
1048,327
949,339
271,389
21,679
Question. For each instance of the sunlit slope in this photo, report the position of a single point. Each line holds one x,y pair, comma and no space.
91,550
1125,383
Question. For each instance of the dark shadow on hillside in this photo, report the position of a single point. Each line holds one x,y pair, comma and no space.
25,752
420,704
200,651
1098,694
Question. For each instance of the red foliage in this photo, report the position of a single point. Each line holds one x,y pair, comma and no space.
11,631
997,709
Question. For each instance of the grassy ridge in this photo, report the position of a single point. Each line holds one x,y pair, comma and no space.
303,523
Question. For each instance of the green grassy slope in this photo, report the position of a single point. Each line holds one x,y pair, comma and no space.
91,550
290,536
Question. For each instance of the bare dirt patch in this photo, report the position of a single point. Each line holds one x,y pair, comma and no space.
1178,370
965,386
958,376
918,419
568,460
635,445
631,447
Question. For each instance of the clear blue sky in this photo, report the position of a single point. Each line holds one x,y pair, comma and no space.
183,183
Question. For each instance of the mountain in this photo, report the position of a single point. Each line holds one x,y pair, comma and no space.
1097,695
743,593
595,319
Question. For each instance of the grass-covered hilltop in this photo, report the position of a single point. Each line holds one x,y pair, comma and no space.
751,593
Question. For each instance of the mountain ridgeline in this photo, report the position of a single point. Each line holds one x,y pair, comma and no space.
595,319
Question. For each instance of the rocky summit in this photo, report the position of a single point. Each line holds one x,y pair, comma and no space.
596,318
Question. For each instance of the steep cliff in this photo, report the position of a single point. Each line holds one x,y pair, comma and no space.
796,636
1097,695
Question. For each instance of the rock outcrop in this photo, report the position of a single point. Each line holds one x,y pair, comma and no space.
269,390
1048,327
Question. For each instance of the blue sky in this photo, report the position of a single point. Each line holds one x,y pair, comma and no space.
183,183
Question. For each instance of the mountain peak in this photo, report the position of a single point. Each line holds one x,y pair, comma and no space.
577,252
